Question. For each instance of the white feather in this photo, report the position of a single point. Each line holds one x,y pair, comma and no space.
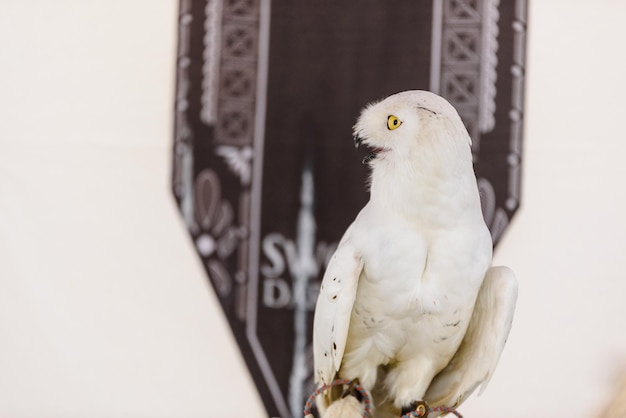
334,305
477,357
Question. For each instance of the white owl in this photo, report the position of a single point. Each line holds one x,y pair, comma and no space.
410,306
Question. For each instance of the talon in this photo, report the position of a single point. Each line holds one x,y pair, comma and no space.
420,407
352,390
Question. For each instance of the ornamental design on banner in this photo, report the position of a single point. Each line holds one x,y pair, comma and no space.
464,60
464,69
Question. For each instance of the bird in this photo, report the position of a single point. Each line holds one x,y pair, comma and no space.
410,306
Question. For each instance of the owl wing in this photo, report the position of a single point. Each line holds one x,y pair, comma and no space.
477,357
333,309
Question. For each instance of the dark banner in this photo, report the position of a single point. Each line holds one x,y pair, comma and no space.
265,172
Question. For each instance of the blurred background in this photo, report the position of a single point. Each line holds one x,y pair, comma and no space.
105,309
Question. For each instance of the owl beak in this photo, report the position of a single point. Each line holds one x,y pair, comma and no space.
369,157
374,154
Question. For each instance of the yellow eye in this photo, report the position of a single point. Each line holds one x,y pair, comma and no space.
393,122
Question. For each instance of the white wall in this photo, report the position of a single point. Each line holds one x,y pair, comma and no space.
104,307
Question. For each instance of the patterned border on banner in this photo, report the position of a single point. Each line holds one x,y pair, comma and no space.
464,70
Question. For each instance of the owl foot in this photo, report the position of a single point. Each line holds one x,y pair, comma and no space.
416,409
420,409
353,390
348,407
